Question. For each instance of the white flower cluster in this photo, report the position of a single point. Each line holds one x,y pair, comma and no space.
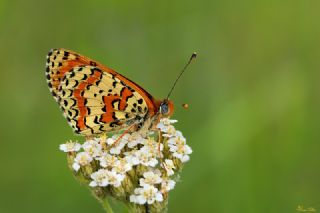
118,155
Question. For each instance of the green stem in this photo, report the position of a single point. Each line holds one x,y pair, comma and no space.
106,206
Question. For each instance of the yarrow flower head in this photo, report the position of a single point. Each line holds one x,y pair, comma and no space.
167,185
107,160
92,147
70,147
138,168
82,159
151,178
148,194
168,165
122,166
179,148
104,177
165,123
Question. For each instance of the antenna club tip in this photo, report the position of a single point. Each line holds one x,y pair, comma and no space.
194,55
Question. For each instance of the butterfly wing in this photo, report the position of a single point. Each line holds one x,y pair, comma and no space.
94,98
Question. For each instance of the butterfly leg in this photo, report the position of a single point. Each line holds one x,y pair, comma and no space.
122,135
160,141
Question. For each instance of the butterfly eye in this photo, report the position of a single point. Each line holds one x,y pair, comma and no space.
164,108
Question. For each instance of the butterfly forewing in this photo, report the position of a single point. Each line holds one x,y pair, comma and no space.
94,98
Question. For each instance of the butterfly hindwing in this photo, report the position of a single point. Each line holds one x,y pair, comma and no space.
94,101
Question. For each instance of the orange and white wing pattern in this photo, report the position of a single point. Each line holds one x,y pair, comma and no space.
94,99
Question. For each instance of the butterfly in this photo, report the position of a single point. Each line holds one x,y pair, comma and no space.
96,99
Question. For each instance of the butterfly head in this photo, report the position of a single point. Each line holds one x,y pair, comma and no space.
166,108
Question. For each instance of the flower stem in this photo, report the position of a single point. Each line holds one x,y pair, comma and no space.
106,206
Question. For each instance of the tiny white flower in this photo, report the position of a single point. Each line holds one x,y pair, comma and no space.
165,123
170,132
150,178
99,178
105,177
107,160
177,139
119,146
132,157
92,147
181,151
167,185
148,141
134,139
183,158
141,156
146,158
169,167
114,178
179,148
110,141
148,194
122,166
153,147
70,147
75,166
82,159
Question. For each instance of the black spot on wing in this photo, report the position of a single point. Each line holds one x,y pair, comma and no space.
114,102
127,98
72,74
96,121
76,84
113,124
114,116
50,52
97,83
84,77
104,109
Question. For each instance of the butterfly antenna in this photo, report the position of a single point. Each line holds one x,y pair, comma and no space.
193,56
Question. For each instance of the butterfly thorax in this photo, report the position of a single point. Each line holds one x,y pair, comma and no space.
163,108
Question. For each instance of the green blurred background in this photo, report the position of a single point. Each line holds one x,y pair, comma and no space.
253,121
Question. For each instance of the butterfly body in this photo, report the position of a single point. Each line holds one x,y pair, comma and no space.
96,99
